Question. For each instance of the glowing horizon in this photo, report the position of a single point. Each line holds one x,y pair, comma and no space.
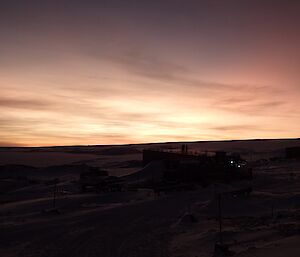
92,73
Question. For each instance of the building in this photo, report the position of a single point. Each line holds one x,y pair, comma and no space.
186,167
292,152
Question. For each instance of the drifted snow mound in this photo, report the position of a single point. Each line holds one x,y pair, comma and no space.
152,171
14,171
256,204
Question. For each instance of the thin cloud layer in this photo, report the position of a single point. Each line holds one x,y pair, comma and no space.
109,72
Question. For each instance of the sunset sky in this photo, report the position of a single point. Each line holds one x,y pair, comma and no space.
113,72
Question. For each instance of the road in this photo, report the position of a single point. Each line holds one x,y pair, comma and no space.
138,229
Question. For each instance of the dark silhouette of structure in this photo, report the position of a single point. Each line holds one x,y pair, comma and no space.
95,179
187,167
292,152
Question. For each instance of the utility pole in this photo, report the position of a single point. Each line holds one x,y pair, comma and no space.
54,193
220,218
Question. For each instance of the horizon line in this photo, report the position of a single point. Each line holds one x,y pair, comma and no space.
152,143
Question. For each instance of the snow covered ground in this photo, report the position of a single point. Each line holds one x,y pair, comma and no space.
143,223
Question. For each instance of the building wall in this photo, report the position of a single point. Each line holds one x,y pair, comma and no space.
292,152
152,155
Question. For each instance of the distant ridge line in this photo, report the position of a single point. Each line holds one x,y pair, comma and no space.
155,143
